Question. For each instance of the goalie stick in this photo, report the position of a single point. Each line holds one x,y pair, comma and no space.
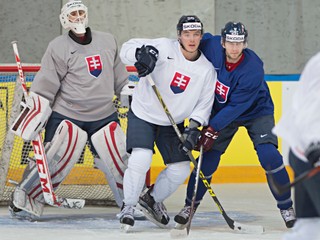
41,160
240,227
280,189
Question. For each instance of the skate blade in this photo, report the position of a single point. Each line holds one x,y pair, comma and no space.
137,215
126,228
180,226
150,217
177,233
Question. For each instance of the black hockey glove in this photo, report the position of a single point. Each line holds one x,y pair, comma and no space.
147,57
312,153
191,136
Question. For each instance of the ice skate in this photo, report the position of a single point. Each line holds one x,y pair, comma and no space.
126,218
19,213
156,212
182,217
289,217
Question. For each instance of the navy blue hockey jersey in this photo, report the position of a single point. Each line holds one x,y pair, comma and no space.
241,94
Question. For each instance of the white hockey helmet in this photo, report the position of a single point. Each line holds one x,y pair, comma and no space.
74,16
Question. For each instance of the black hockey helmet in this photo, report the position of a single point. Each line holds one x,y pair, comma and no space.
189,22
234,32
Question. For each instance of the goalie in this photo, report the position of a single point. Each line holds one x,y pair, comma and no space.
71,97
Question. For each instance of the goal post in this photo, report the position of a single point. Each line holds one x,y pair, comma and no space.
84,181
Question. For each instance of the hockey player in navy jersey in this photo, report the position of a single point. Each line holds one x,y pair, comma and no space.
185,79
242,98
300,128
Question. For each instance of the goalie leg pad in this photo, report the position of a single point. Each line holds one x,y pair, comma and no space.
62,153
110,144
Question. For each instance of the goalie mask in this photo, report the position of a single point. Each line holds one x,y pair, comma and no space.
74,16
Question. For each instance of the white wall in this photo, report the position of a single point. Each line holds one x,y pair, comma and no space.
285,33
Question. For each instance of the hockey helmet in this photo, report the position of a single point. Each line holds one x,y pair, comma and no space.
189,22
74,16
234,32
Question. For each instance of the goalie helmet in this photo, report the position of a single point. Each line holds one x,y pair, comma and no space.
74,16
234,32
189,22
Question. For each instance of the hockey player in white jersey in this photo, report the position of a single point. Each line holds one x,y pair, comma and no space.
186,81
300,128
80,73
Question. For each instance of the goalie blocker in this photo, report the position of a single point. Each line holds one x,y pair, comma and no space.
33,117
62,153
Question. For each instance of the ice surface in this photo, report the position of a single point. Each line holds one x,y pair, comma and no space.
251,204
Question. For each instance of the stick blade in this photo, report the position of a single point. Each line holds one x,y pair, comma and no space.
243,228
71,203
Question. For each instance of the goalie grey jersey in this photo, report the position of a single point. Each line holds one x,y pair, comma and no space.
80,81
300,124
187,87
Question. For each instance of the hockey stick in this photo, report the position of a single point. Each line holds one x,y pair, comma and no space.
280,189
41,159
193,201
232,224
179,232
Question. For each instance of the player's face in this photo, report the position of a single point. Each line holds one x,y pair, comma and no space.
233,50
77,16
191,40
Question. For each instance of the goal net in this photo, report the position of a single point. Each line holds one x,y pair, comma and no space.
84,181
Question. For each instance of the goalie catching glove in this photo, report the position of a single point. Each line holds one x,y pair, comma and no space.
32,118
147,57
208,136
312,153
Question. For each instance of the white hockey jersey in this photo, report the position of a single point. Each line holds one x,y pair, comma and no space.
300,125
187,87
